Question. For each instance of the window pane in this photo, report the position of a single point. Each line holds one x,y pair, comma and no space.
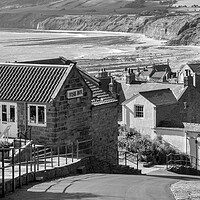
32,114
40,114
4,113
12,113
139,111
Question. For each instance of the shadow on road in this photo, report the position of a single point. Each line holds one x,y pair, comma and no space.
49,195
177,177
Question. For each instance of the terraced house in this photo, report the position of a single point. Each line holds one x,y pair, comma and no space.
57,102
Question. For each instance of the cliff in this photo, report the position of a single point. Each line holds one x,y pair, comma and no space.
177,29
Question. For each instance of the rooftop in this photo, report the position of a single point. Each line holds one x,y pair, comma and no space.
195,67
132,89
160,97
30,82
40,80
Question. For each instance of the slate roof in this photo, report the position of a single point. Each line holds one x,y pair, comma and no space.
195,67
146,73
29,82
99,96
133,89
54,61
162,67
32,81
160,97
158,75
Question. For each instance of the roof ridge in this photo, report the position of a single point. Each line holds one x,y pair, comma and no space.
155,90
36,65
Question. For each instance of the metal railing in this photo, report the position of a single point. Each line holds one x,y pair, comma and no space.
34,158
122,157
129,158
175,160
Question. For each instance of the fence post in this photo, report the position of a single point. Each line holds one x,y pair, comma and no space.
38,167
125,158
167,162
45,157
34,161
77,149
31,157
51,156
13,169
117,157
72,152
58,155
20,181
27,167
3,174
66,152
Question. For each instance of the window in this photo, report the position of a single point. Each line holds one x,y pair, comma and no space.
4,113
139,111
75,93
37,115
12,113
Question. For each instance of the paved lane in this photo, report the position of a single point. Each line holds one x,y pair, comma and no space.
154,186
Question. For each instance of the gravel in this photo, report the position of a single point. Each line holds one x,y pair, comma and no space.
186,190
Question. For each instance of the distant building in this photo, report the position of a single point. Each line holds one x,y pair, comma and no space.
172,113
193,70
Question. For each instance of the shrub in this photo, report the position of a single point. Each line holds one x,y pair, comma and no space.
149,150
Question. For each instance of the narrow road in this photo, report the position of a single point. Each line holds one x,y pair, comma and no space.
154,186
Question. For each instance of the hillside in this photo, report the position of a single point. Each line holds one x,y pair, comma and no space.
110,15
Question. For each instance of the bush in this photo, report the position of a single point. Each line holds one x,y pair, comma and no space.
154,151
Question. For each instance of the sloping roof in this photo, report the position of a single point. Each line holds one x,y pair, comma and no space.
195,67
160,97
99,96
131,89
30,82
146,73
158,75
161,67
54,61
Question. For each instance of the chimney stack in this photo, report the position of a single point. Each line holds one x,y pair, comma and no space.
105,79
130,77
188,81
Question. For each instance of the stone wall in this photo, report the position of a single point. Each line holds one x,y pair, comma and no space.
67,119
104,130
76,118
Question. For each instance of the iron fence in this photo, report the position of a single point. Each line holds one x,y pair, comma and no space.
21,161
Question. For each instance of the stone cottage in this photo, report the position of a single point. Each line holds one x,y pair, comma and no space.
57,102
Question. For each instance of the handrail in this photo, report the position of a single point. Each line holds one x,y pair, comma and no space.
5,132
29,161
129,156
173,159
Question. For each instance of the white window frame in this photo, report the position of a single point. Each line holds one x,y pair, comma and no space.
76,91
36,123
139,113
